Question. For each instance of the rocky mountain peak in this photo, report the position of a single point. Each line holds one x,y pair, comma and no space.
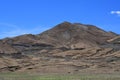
79,35
79,47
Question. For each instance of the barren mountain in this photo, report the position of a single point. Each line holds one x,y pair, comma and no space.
66,48
75,35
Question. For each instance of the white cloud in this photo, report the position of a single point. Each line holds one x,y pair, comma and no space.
116,12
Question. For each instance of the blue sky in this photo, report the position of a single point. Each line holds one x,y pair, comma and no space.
34,16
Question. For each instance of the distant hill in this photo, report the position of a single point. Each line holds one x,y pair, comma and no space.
66,48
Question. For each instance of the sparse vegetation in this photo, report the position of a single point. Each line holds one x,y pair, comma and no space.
14,76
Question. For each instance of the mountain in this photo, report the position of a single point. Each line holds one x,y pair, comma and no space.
75,35
66,48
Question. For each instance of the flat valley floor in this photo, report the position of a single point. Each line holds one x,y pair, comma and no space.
81,76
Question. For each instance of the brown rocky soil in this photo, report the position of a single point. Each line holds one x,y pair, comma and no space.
66,48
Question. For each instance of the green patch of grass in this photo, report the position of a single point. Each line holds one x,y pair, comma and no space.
14,76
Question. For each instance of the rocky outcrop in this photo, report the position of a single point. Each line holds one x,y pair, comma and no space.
66,48
7,49
75,35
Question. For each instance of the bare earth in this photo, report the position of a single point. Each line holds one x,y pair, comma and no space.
67,48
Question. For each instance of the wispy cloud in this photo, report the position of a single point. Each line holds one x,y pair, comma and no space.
115,12
11,30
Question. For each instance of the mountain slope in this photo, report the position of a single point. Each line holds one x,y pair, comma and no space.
77,35
66,48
